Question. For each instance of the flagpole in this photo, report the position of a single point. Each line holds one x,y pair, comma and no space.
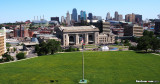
83,63
83,80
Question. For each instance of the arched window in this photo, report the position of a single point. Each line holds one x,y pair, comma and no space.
71,39
91,37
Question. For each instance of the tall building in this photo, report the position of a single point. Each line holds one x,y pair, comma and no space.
133,30
79,18
90,16
74,15
138,18
108,17
106,28
120,17
68,22
116,16
62,20
2,41
130,18
55,19
83,15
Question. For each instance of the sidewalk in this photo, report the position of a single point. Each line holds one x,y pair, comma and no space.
18,60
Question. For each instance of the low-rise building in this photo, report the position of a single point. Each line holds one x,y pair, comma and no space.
133,30
46,37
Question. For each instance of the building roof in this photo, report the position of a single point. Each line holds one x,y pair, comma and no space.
46,35
78,28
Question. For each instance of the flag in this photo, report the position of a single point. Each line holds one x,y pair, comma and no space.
82,41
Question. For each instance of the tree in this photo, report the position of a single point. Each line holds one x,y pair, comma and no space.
144,43
126,43
54,46
6,57
15,49
145,33
45,48
116,42
7,49
37,48
20,56
148,41
155,42
41,50
148,33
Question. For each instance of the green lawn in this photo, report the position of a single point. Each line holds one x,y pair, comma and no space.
100,68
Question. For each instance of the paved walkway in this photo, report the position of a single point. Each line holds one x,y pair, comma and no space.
156,54
18,60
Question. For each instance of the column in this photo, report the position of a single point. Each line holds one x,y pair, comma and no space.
64,40
96,37
86,38
77,39
67,40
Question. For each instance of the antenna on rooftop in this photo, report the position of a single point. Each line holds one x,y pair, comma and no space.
34,18
40,17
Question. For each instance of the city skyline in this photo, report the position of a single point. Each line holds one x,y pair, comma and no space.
19,10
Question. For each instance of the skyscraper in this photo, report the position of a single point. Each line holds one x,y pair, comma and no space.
68,19
79,18
116,16
108,16
120,17
130,18
74,15
83,15
62,20
90,16
138,18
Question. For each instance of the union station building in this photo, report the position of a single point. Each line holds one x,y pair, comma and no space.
90,34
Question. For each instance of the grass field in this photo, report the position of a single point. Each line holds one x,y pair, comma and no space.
100,68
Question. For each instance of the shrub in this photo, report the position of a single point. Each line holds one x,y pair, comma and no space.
78,49
132,47
6,57
1,60
20,56
71,49
116,42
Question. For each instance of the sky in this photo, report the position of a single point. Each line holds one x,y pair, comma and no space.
22,10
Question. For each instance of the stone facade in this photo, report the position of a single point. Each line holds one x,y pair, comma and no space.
106,38
74,34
